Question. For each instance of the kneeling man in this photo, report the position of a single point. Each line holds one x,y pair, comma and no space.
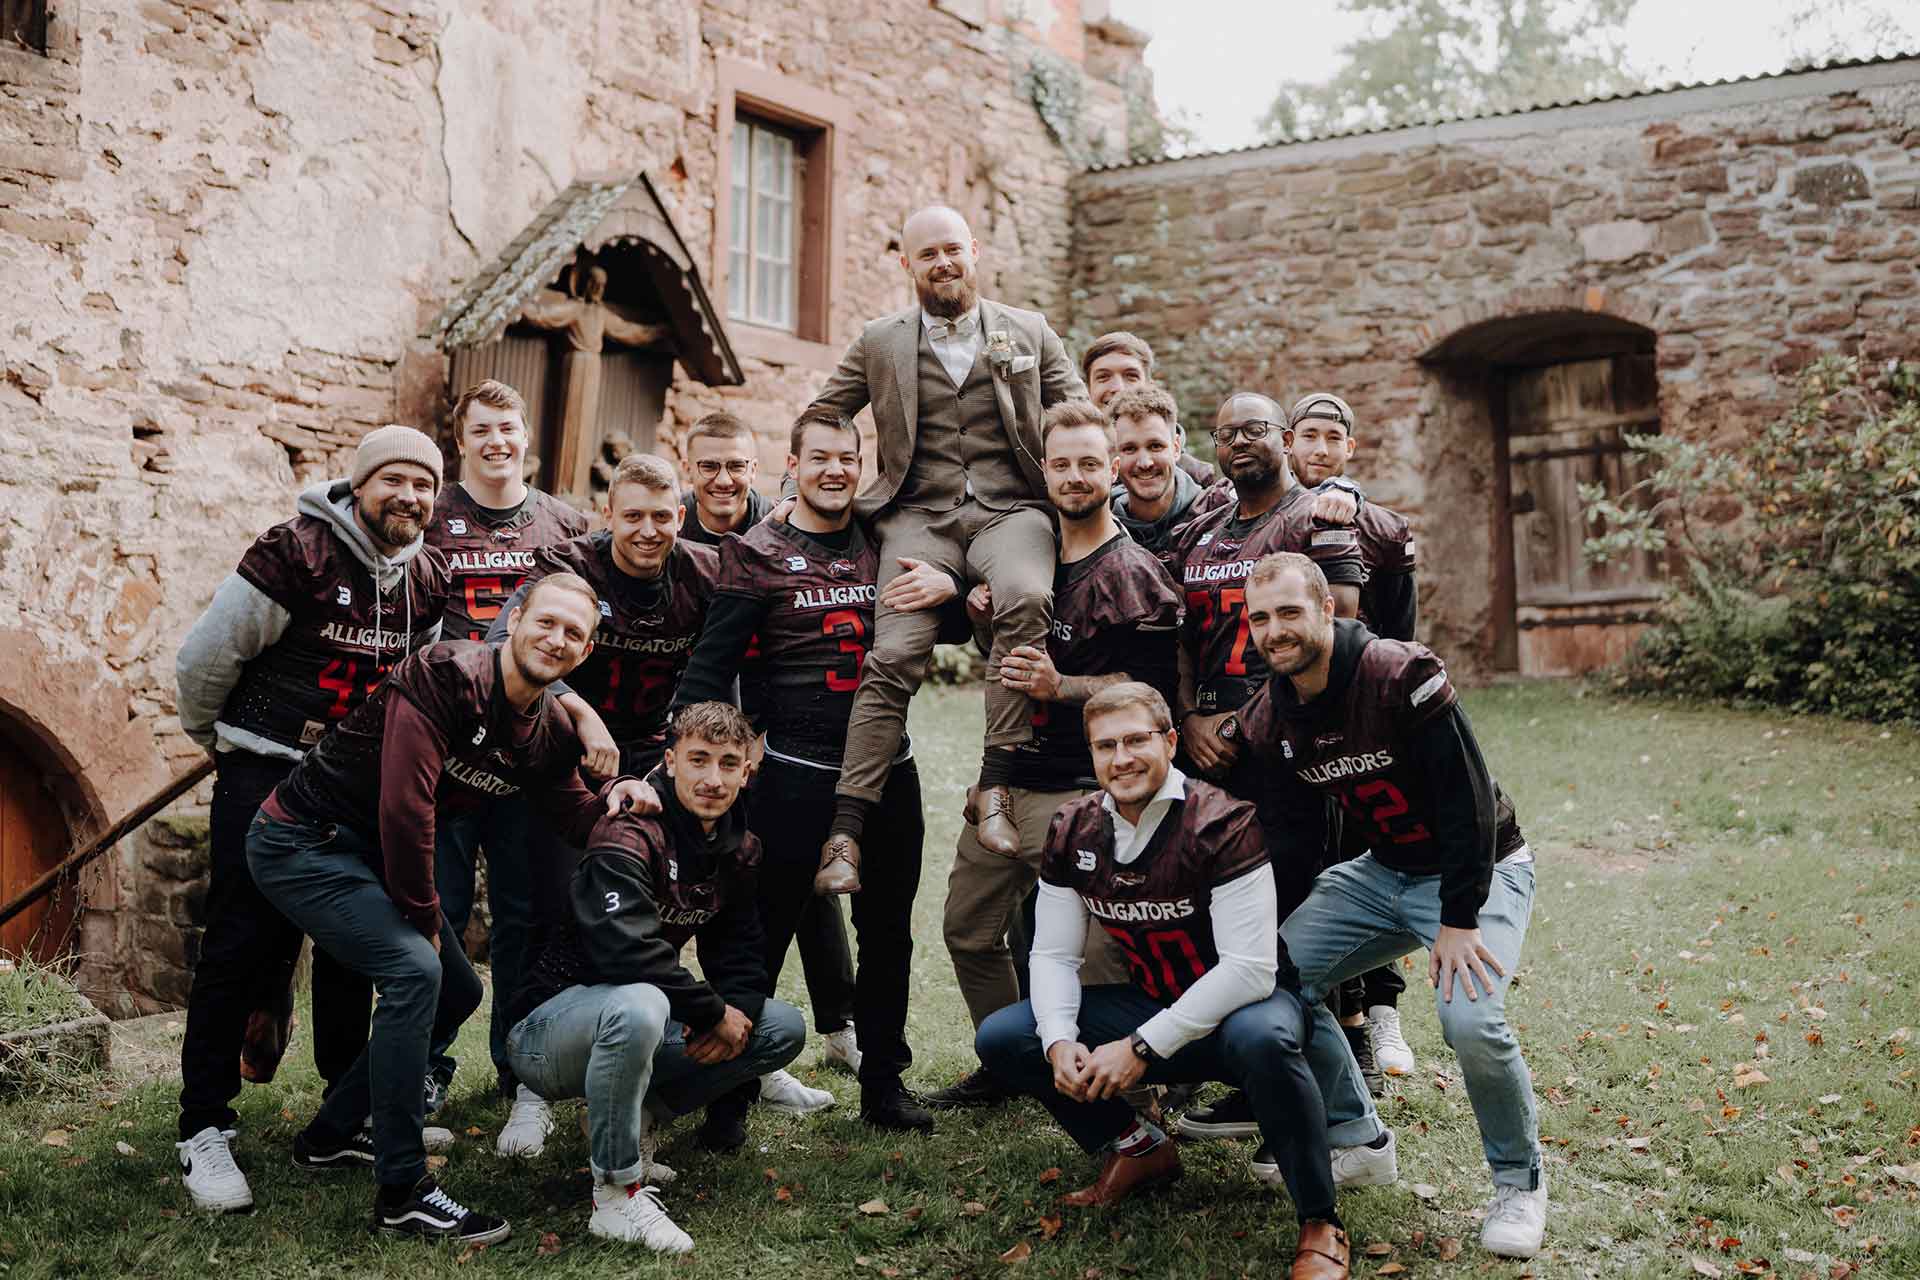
610,1015
1176,871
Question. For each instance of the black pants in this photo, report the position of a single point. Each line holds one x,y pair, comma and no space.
792,809
247,956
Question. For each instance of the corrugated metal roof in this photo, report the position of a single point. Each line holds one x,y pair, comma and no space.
1838,64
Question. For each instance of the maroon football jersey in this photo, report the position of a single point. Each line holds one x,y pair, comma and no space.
1355,749
1387,550
813,635
490,552
688,895
1115,610
343,635
646,633
1215,553
1159,906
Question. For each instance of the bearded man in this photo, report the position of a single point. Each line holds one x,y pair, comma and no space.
958,385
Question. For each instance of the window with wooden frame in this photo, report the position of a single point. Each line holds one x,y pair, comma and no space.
23,25
776,242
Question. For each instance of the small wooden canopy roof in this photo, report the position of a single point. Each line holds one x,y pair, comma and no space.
596,213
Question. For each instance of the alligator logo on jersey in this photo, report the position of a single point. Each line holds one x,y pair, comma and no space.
843,569
342,596
1327,741
1129,879
1139,912
1346,767
834,597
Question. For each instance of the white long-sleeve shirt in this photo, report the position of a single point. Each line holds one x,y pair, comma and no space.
1245,919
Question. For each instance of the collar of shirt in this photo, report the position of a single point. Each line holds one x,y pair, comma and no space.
930,322
1129,839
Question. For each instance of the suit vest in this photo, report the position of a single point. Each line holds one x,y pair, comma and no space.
960,443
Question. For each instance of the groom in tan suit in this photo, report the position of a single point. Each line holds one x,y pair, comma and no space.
958,386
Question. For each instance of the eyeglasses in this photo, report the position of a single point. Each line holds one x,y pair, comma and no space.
1250,430
736,468
1132,742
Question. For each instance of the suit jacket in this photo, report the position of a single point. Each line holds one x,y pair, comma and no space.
882,368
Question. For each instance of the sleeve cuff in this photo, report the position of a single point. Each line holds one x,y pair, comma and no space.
1052,1033
426,920
1162,1034
1459,915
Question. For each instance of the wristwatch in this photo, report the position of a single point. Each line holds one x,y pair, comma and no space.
1141,1049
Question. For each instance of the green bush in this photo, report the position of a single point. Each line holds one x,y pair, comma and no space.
1804,592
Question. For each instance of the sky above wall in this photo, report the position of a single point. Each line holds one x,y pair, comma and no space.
1217,63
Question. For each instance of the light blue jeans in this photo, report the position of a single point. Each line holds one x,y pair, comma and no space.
1361,915
621,1048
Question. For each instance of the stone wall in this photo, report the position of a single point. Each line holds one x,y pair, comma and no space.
1749,226
226,224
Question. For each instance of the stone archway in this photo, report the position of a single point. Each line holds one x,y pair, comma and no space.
1528,396
67,718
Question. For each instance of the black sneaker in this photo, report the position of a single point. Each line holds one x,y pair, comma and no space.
725,1127
1360,1040
426,1210
894,1107
435,1094
977,1088
326,1155
1231,1117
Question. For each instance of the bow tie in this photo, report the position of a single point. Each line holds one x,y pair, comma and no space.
961,328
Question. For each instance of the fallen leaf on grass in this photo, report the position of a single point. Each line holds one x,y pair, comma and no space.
875,1208
913,1214
890,1272
1019,1253
1746,1075
783,1195
436,1162
1449,1247
1049,1227
55,1138
475,1131
1843,1214
1907,1173
1828,1099
1391,1269
1051,1175
1425,1190
973,1208
124,1149
1378,1249
1702,1267
549,1244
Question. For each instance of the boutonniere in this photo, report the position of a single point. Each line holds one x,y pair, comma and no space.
1000,350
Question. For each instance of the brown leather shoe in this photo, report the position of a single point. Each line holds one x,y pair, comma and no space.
994,829
1121,1176
839,866
1323,1253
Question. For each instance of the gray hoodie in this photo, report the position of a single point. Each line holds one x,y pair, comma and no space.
242,622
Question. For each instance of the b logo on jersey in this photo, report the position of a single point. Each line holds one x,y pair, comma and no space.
1085,859
342,596
796,564
842,569
673,868
456,526
606,610
1286,748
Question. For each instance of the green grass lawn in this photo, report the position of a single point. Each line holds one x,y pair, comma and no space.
1716,1002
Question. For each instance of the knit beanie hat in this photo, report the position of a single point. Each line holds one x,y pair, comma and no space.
395,443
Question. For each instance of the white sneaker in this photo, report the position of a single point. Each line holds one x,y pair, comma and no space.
1390,1051
841,1049
779,1091
528,1125
635,1214
1516,1221
1367,1167
211,1177
651,1170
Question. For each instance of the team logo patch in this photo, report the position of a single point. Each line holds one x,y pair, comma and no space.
1205,538
606,610
1129,879
1286,748
479,735
1334,537
1434,684
456,526
673,868
1229,548
842,569
1409,549
1085,859
1322,742
796,564
342,595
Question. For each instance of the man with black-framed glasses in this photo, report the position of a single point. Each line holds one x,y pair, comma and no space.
721,461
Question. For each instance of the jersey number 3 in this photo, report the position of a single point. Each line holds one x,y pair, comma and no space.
851,627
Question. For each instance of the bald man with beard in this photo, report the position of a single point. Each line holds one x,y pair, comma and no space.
959,386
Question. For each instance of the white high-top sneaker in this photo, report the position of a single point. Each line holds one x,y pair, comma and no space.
528,1125
211,1177
841,1048
651,1170
635,1214
1516,1221
1390,1051
1366,1166
780,1091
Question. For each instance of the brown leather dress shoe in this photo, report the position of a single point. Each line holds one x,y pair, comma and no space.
839,866
994,829
1323,1253
1121,1176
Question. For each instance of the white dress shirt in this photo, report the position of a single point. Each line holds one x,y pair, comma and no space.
956,351
1246,927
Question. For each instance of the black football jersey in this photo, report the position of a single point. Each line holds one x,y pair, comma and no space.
1159,906
489,552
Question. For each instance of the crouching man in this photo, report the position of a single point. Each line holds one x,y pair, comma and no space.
1176,871
344,849
610,1015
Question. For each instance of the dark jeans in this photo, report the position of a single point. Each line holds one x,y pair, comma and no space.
504,830
247,957
319,876
1259,1047
793,807
819,927
1376,986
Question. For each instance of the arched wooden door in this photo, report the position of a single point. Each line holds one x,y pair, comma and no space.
33,839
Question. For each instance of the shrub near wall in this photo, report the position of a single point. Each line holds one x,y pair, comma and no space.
1811,598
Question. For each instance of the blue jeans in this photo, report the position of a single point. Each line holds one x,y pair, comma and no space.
1361,915
1258,1047
620,1048
503,830
317,875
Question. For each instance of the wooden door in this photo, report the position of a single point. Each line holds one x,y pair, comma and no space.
33,839
1566,425
633,394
